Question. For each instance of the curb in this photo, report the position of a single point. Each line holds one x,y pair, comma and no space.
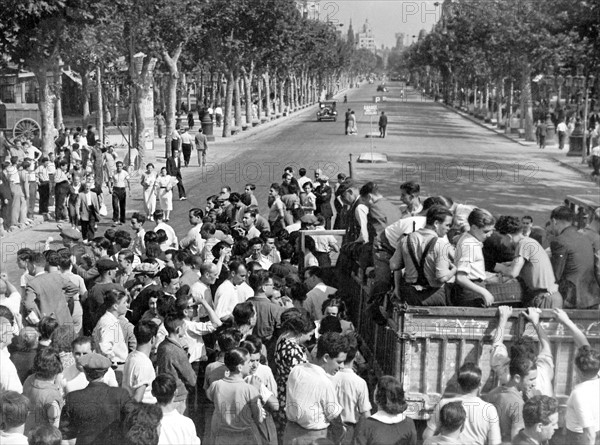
587,175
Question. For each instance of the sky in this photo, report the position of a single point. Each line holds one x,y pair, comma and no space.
386,17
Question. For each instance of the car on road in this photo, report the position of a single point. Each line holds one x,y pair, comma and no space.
382,88
327,111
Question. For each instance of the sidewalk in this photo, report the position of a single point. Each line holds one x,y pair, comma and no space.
559,156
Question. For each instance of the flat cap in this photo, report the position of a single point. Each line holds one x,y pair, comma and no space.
309,219
67,232
95,362
146,269
105,264
223,197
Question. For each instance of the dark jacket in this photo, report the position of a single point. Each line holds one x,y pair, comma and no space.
573,263
89,411
172,359
383,120
174,167
323,194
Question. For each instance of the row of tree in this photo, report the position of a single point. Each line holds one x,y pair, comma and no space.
491,45
260,46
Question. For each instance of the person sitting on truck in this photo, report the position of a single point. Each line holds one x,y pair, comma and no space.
509,399
426,255
583,407
540,415
532,264
470,274
481,425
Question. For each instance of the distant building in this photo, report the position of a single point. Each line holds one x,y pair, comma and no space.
400,36
366,38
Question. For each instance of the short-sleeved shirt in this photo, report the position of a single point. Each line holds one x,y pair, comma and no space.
232,397
509,405
275,210
583,407
352,393
139,371
481,425
177,428
120,179
469,257
309,385
537,272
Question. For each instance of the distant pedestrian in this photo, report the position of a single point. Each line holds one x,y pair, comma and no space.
160,124
174,169
347,120
201,142
186,146
218,115
561,129
190,118
382,124
352,128
540,133
120,180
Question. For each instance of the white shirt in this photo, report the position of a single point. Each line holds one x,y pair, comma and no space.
139,371
176,429
469,257
361,214
352,393
404,226
301,181
315,298
9,379
263,261
13,439
481,426
110,339
194,330
74,380
583,407
13,302
201,291
561,127
193,241
187,138
139,247
171,235
228,295
311,400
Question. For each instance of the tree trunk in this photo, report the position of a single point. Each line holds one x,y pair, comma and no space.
141,73
58,116
282,104
46,107
527,101
276,110
499,101
100,117
171,96
259,106
228,103
238,101
268,95
85,97
247,76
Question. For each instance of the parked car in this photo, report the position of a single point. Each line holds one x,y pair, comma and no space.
382,88
327,111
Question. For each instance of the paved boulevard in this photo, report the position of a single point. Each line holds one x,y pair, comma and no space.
444,152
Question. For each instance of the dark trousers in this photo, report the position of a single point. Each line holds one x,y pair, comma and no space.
44,190
180,187
382,129
346,126
88,229
61,193
561,139
119,198
6,210
187,152
596,165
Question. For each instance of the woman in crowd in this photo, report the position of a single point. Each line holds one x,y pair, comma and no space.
46,400
164,189
389,425
336,307
148,181
276,209
290,351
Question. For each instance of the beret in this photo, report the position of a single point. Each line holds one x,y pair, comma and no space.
95,362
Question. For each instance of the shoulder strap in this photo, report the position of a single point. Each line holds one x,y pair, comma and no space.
420,265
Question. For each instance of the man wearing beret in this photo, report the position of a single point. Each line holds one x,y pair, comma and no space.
88,412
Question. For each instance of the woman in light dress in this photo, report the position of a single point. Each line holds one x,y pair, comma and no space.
164,188
148,181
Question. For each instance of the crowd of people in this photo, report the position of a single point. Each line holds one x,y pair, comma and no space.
238,331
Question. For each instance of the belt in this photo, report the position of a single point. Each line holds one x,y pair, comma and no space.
118,188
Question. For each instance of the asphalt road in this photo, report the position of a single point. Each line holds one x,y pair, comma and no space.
426,142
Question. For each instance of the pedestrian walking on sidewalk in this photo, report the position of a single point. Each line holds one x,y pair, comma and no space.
201,142
540,134
347,120
174,169
382,124
561,129
352,128
160,124
119,194
186,146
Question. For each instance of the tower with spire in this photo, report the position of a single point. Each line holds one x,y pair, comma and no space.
350,34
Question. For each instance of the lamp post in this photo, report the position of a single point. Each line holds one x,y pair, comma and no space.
577,138
550,130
